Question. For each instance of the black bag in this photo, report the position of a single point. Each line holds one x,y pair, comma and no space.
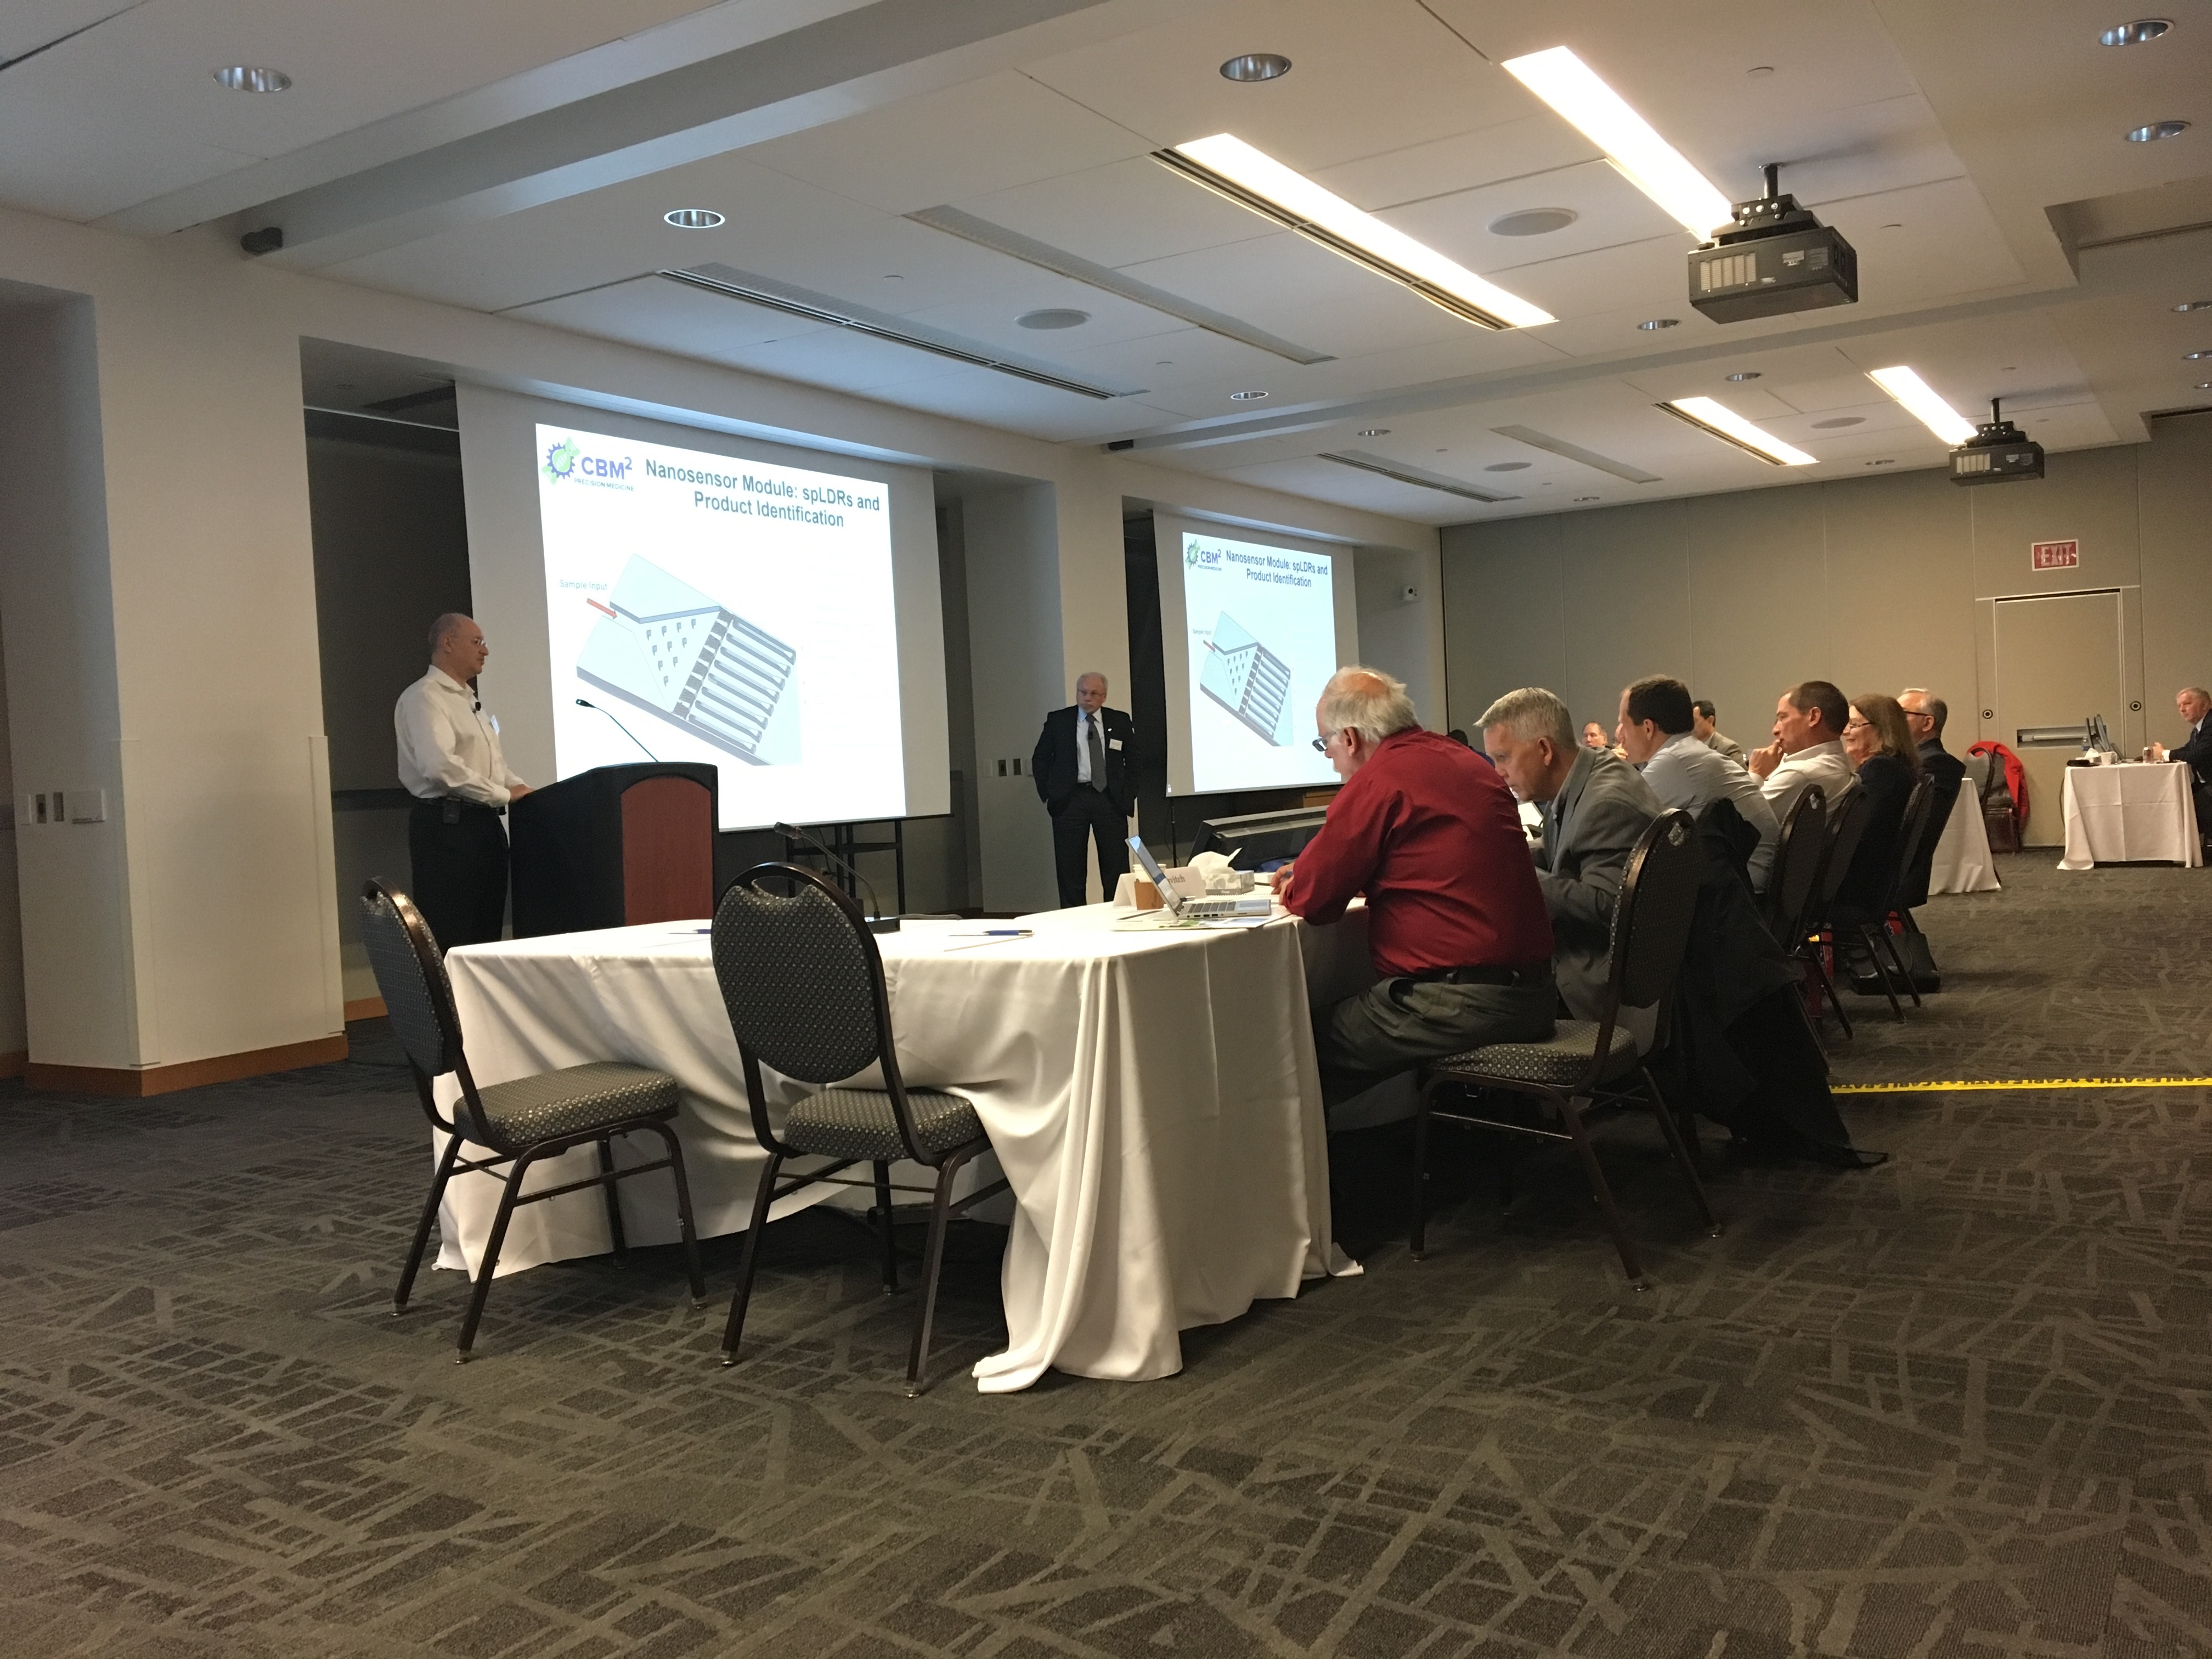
1912,947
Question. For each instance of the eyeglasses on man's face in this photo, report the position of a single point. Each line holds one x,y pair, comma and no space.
1321,744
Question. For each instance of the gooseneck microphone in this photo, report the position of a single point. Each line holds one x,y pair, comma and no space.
876,924
620,727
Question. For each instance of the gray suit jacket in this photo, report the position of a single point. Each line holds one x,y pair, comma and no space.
1590,827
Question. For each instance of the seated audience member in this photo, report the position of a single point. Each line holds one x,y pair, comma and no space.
1595,807
1427,830
1880,745
1807,747
1710,735
1657,736
1925,714
2194,704
1594,736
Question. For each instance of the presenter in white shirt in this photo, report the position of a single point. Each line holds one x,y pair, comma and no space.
451,761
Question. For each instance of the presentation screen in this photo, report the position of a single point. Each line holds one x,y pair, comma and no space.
733,611
1261,639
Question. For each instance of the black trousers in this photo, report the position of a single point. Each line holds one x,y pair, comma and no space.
1088,813
460,873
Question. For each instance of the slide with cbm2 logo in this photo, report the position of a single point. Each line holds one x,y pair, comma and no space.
1262,625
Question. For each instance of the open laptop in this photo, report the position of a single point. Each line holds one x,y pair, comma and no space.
1196,909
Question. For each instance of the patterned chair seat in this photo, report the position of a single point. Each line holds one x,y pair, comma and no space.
1561,1060
858,1123
574,1101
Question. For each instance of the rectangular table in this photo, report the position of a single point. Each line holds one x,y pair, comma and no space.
2134,812
1151,1096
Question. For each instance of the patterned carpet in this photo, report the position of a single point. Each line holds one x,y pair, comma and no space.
1957,1405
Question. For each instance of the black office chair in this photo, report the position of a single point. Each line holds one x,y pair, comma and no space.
803,980
516,1123
1873,932
1847,822
1591,1065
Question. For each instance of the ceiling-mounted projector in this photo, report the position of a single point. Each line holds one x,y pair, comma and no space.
1997,454
1775,258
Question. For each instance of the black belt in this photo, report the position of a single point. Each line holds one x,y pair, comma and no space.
450,807
1535,974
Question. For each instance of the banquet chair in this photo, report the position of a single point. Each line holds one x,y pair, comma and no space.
1873,932
1588,1066
1793,889
1847,822
803,980
516,1123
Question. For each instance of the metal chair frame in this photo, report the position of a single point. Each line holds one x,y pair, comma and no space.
776,1185
520,1158
1646,956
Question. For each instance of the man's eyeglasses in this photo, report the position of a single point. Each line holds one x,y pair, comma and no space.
1321,744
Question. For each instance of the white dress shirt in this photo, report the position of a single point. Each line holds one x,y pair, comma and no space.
1083,743
1824,763
1684,772
447,746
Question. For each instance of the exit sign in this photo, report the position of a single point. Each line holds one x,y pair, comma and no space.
2054,555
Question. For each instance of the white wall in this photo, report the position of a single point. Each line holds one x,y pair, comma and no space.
161,633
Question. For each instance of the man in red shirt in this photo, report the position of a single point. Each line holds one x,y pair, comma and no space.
1429,832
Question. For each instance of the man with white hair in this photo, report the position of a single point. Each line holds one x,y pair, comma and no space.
452,763
2194,704
1595,809
1455,926
1083,775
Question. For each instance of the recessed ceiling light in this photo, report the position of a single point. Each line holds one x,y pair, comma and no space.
1374,431
1246,396
2205,386
1507,466
1054,317
1533,222
2195,305
1743,374
2156,130
246,77
1651,164
1653,324
693,218
1256,66
1723,422
1839,420
2134,34
1229,166
1922,401
2195,357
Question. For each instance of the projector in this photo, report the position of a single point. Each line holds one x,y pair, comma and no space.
1997,454
1775,258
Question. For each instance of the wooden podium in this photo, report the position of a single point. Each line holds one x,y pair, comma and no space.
613,847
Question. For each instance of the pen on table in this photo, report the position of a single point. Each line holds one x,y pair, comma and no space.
1000,933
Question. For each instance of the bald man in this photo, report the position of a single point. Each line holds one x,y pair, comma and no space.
450,761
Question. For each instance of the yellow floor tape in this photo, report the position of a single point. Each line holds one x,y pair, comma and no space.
1951,1087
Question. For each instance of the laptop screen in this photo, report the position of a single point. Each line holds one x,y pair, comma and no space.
1154,874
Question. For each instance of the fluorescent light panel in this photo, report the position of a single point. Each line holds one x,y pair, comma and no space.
1647,161
1725,423
1922,403
1230,167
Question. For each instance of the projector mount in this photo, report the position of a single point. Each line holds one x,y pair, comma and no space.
1772,257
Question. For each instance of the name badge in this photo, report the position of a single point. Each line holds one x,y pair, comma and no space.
1112,743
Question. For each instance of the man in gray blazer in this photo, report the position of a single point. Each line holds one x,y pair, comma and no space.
1595,807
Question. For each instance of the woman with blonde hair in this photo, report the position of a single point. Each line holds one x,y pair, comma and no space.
1881,745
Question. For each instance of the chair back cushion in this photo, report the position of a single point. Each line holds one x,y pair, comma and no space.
1652,917
410,976
1797,861
799,976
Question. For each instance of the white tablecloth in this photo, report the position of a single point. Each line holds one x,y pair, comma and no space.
1962,862
2131,813
1151,1096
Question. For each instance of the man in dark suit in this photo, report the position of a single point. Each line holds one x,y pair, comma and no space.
1081,768
1925,714
1596,807
2194,704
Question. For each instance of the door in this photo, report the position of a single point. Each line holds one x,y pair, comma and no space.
2058,661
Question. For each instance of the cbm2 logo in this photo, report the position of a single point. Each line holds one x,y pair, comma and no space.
566,460
1198,555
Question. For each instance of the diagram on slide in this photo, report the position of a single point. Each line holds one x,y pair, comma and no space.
664,646
1246,678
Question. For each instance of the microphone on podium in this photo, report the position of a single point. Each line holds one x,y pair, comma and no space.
876,924
620,727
